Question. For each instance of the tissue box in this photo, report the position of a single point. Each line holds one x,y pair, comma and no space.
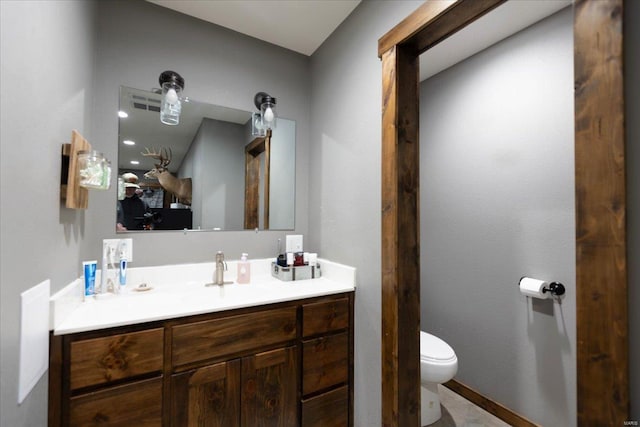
289,274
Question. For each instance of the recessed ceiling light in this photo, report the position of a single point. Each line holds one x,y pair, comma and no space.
135,162
122,114
128,142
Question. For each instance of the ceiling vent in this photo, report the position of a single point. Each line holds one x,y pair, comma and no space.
143,103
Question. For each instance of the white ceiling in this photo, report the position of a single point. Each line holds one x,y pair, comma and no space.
303,25
297,25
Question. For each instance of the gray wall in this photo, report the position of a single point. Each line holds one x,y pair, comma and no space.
138,40
216,157
46,72
497,203
62,65
632,104
344,171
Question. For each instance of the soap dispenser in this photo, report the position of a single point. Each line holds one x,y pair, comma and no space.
244,270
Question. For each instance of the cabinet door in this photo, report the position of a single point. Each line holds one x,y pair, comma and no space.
269,389
207,397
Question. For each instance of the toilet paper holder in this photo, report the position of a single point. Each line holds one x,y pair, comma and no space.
556,289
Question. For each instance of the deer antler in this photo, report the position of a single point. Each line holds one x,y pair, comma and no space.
164,155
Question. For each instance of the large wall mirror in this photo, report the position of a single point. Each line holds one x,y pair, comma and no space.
214,147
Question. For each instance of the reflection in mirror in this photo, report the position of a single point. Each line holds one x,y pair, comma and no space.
213,147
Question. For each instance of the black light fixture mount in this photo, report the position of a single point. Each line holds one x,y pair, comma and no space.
171,77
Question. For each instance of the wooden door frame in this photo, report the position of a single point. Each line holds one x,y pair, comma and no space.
601,265
252,153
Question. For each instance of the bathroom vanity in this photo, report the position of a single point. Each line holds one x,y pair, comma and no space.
284,362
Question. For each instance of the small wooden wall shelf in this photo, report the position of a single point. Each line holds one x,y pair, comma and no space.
75,196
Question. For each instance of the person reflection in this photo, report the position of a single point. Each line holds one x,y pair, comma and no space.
131,210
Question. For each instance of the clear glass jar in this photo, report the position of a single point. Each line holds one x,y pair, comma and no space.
171,106
94,171
121,190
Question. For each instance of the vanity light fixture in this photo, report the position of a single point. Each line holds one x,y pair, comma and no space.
172,85
266,119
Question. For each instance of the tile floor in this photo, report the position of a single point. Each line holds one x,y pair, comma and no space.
459,412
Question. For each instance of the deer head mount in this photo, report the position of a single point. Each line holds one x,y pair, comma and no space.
179,187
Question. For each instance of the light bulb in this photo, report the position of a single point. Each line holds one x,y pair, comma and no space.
268,115
171,97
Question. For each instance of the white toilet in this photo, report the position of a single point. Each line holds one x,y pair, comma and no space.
438,364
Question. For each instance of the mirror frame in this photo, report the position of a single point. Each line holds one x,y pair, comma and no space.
601,264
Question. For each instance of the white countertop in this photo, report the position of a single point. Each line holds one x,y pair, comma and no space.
179,290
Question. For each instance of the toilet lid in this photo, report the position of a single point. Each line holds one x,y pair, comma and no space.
433,348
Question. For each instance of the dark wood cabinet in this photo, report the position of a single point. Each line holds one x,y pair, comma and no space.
279,365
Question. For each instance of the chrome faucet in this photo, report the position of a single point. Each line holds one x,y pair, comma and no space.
221,266
218,275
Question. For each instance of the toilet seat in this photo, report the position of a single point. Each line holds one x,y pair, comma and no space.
434,350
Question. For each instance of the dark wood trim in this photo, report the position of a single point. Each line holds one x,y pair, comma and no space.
489,405
601,272
166,379
442,19
55,380
252,153
601,265
400,239
252,182
352,297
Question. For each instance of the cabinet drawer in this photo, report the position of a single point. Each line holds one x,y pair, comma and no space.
229,335
325,362
136,404
102,360
323,317
329,409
